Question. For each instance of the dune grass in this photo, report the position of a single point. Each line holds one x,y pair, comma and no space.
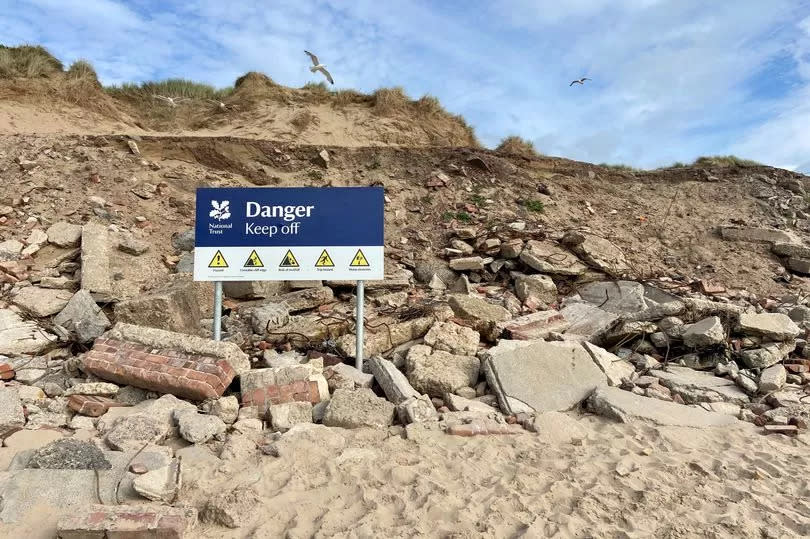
28,61
724,161
516,145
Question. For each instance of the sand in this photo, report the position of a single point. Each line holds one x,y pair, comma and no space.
621,481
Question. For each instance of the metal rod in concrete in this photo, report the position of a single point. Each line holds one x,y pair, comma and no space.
358,322
217,310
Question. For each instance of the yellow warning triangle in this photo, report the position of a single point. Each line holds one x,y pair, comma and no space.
289,261
254,261
359,260
324,261
218,261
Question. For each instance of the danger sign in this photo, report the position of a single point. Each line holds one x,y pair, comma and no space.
249,234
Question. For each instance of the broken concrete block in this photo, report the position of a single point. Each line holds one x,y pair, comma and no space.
769,354
597,252
128,521
306,299
302,330
288,414
587,323
385,337
483,315
547,257
772,379
174,308
160,485
83,317
233,509
627,407
471,263
18,336
615,368
704,334
64,234
696,387
189,344
268,317
460,404
225,408
253,289
436,372
346,377
771,326
41,302
618,297
11,411
394,383
10,250
547,376
453,338
758,235
541,287
416,410
357,409
96,252
194,377
198,428
131,432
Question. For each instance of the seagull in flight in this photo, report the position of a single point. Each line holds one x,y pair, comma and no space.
172,101
579,81
317,66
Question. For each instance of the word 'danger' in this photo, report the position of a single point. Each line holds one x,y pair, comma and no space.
245,234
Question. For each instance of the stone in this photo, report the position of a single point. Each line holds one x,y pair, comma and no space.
453,338
626,407
268,317
18,336
346,377
59,283
617,297
799,265
65,235
83,317
695,387
757,235
225,408
386,337
747,384
97,276
11,411
436,372
708,332
769,354
232,509
130,433
457,403
615,368
534,326
541,287
483,315
175,307
416,410
252,289
183,241
546,376
91,406
93,388
285,415
306,299
160,485
69,454
394,383
557,428
598,253
41,302
790,250
130,521
772,379
198,428
10,250
771,326
132,246
130,395
358,408
471,263
546,257
587,322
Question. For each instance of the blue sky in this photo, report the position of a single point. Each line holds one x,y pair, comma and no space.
672,79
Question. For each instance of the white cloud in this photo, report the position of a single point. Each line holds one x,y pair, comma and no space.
672,78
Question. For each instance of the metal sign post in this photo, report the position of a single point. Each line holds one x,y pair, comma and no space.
217,310
359,323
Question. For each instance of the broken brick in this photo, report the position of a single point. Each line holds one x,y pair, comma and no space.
130,521
6,371
91,405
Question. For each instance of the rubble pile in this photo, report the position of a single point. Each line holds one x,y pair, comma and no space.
504,332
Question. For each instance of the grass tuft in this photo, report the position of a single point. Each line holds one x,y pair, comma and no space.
28,61
724,161
514,145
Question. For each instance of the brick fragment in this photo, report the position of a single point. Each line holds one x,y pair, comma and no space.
6,371
91,405
130,521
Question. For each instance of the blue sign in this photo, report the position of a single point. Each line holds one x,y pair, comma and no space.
289,233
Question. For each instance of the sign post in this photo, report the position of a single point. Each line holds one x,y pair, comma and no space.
281,234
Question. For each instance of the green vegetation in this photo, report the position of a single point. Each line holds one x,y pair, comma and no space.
462,216
517,146
620,167
724,161
27,61
169,88
477,199
534,205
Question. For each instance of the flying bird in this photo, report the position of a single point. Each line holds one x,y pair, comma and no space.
172,101
579,81
317,66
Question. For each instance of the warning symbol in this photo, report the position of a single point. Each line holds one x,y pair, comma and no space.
254,261
289,261
359,260
324,261
218,261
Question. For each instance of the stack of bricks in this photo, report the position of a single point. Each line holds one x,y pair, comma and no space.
190,376
6,371
265,387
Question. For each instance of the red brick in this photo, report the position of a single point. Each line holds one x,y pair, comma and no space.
91,405
128,522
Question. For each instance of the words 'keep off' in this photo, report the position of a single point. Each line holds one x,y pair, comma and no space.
281,234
